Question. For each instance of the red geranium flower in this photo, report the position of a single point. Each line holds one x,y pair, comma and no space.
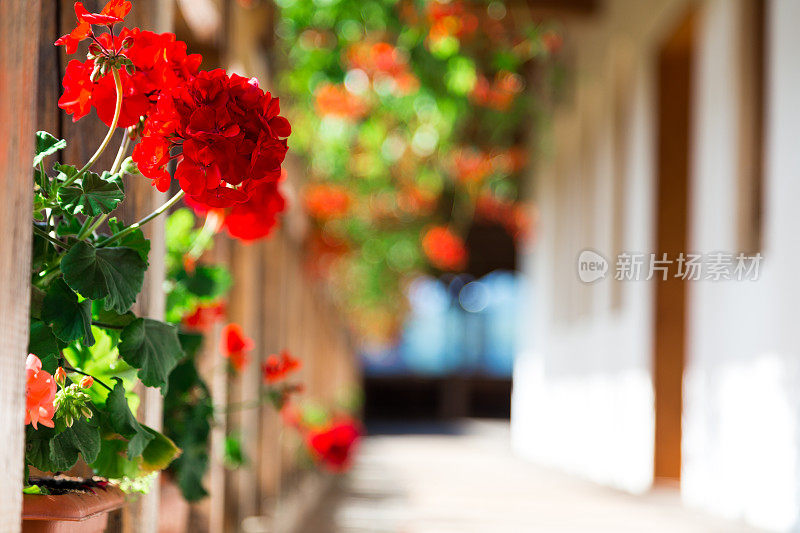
160,62
204,316
253,219
276,368
113,12
235,345
40,391
333,446
231,133
445,249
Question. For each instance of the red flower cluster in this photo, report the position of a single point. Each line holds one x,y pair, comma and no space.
444,249
512,216
253,219
499,94
383,63
276,368
204,316
472,165
450,19
235,345
113,12
327,201
336,101
160,62
231,133
334,444
40,391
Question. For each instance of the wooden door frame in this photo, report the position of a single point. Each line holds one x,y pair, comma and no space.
674,106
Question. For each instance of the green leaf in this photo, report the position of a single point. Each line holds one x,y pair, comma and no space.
104,316
82,438
207,281
111,461
123,421
46,145
70,319
37,447
190,342
234,456
152,347
42,342
65,172
134,240
35,489
116,274
93,196
159,453
68,226
179,230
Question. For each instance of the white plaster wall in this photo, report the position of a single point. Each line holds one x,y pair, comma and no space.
583,399
740,393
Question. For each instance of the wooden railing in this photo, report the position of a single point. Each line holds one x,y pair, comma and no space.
272,298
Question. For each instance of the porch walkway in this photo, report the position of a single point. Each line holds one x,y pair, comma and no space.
465,480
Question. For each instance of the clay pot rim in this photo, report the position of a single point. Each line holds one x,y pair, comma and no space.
74,506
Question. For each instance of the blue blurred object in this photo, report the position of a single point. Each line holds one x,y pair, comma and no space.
456,325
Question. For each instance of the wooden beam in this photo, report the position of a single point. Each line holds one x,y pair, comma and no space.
19,39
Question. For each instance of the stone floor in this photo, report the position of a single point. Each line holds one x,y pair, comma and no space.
464,479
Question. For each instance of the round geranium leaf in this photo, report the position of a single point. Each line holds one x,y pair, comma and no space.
152,347
115,273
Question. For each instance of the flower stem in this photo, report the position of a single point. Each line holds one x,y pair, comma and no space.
91,225
123,150
111,130
69,368
203,239
133,227
45,235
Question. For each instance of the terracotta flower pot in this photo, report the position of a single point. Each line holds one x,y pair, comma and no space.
75,511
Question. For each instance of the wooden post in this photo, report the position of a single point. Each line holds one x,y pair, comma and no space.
218,379
245,310
18,62
156,16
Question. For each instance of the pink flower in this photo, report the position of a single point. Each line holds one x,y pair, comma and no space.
40,391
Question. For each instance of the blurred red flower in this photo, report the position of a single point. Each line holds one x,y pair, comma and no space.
40,391
444,249
204,316
231,134
450,19
335,100
277,367
333,445
382,61
325,201
161,63
498,94
235,345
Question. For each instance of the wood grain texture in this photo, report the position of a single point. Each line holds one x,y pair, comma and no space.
18,70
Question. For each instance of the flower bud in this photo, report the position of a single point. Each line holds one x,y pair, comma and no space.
60,376
68,420
95,50
126,43
87,382
86,412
